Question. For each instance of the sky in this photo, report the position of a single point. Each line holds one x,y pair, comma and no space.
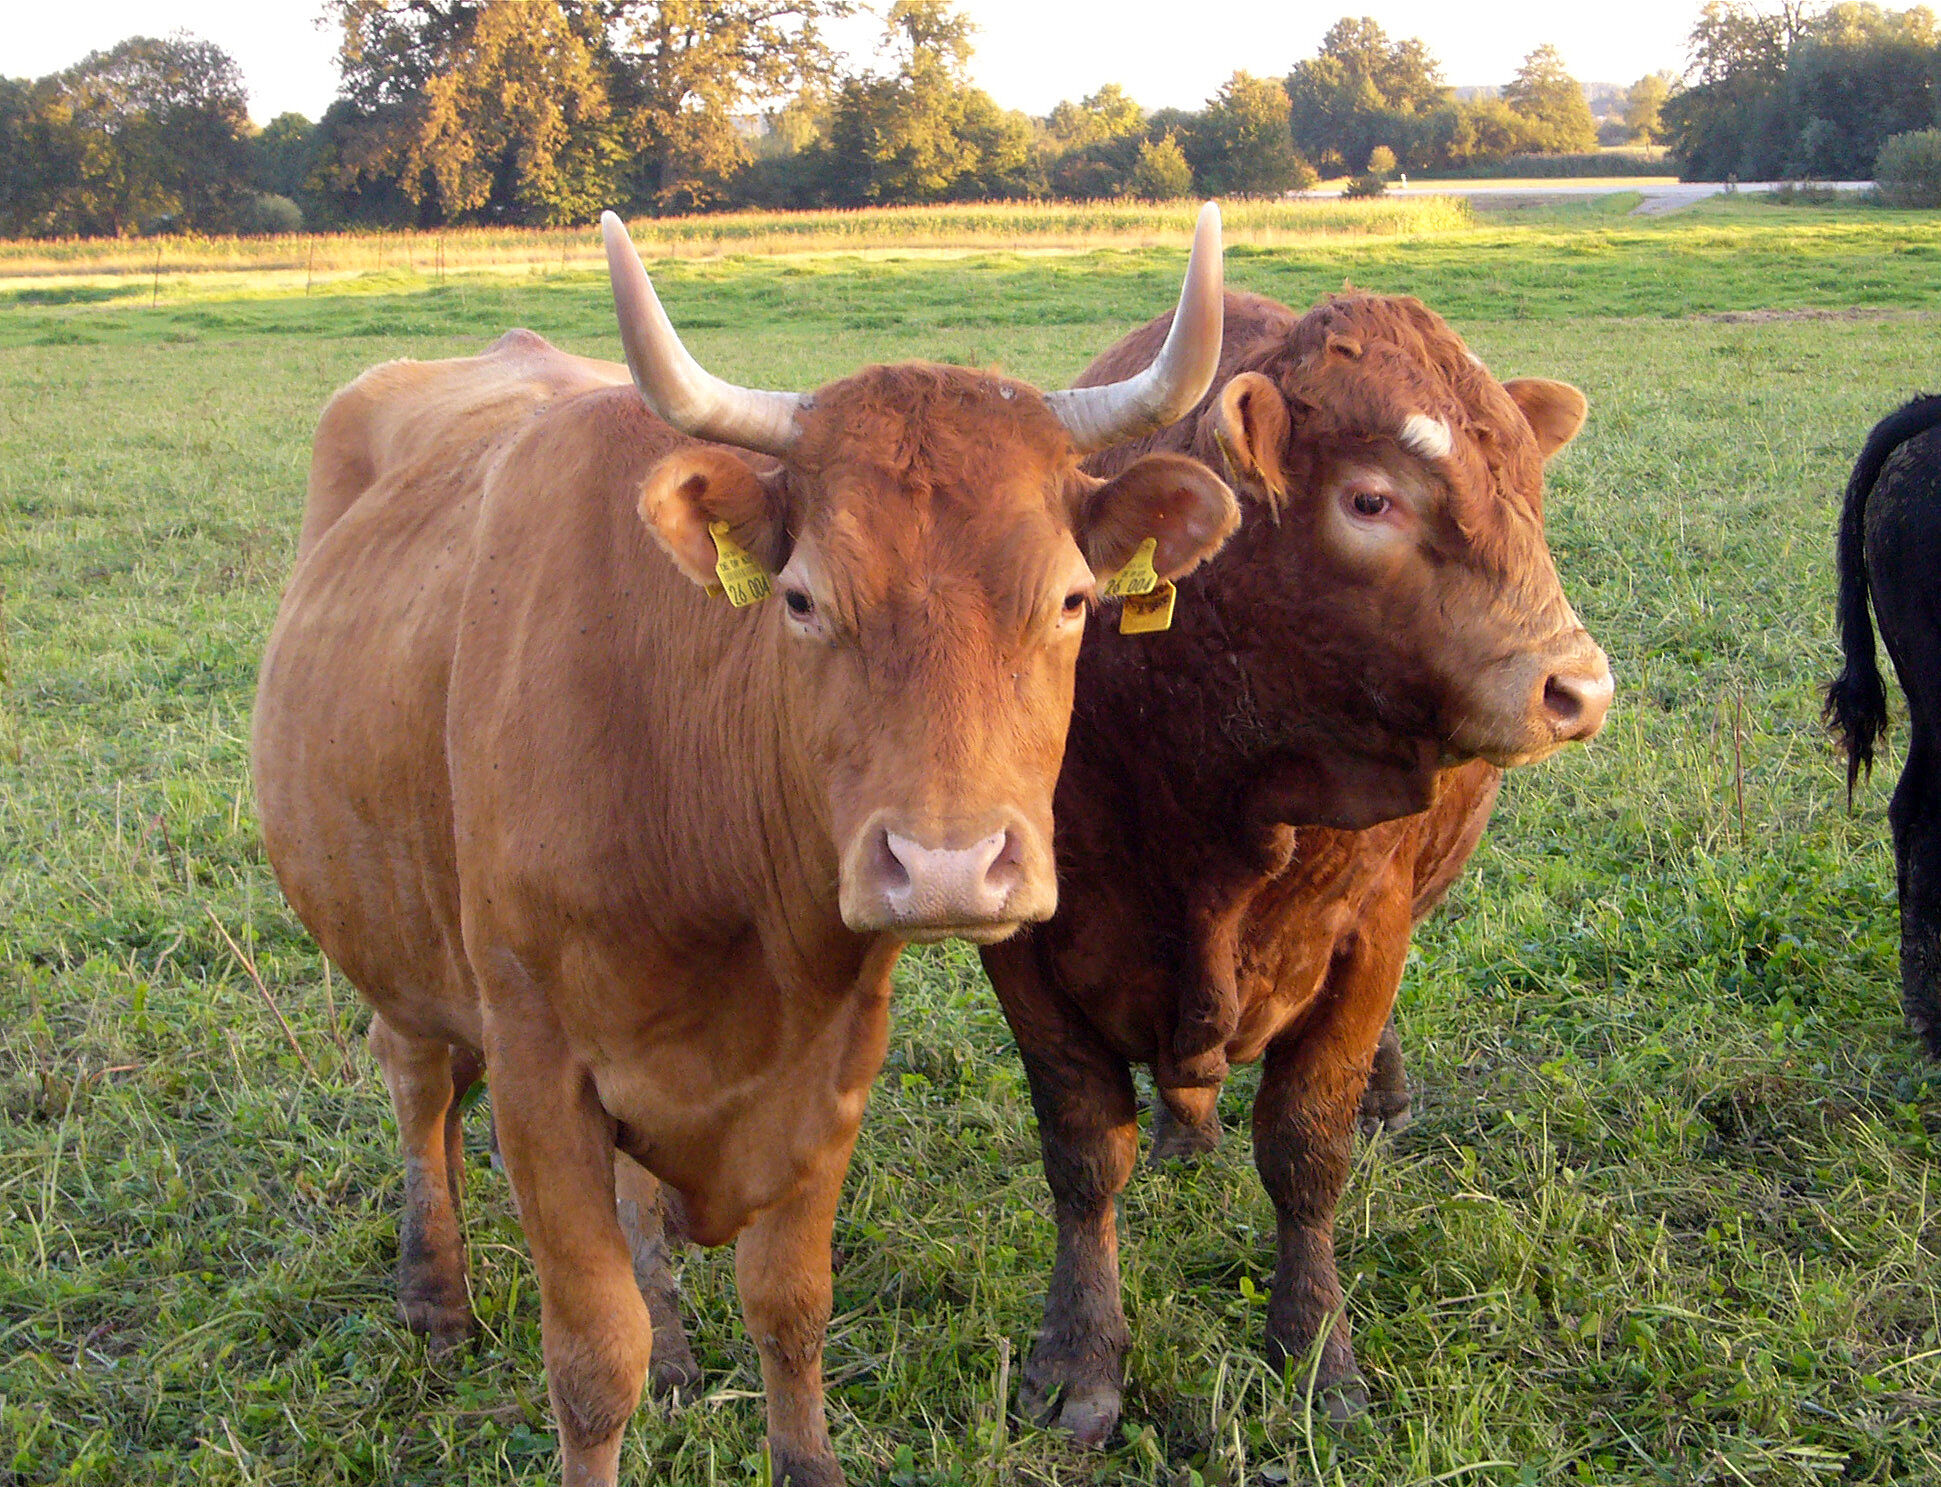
1030,53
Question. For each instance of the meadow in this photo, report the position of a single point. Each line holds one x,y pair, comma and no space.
1667,1213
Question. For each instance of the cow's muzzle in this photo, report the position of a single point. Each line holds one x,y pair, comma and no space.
1527,707
978,882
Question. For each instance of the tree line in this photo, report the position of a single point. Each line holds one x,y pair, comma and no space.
545,111
1796,92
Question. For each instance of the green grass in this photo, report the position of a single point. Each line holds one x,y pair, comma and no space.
1668,1212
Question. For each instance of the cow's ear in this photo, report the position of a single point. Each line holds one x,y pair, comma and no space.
695,487
1554,410
1183,506
1249,424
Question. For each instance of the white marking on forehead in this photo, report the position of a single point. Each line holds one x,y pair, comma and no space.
1426,436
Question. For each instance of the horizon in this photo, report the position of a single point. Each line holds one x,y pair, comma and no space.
1022,55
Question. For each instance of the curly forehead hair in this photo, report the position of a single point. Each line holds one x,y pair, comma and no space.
1361,366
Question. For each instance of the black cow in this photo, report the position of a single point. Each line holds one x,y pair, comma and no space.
1890,547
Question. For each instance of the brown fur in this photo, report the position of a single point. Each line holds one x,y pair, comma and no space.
1257,805
542,798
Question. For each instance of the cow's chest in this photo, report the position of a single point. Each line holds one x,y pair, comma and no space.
728,1083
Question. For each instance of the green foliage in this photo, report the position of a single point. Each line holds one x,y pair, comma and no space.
1644,103
924,133
1666,1213
269,215
1096,147
1552,102
1909,169
149,133
1360,92
1161,172
1365,185
1796,93
1242,146
1381,162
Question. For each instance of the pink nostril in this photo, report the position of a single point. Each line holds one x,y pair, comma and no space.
949,883
1575,704
886,868
1562,700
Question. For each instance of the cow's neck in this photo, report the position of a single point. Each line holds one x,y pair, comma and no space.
749,811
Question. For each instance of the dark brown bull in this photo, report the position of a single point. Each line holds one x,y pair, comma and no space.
651,857
1258,804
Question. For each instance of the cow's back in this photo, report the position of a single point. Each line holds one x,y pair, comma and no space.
348,738
400,414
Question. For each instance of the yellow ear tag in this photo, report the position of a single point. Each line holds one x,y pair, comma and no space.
1142,613
743,579
1148,597
1138,576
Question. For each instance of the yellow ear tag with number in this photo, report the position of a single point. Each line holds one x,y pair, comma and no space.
1142,613
1138,575
742,579
1148,597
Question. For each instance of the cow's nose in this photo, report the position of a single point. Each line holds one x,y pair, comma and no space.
1575,700
925,885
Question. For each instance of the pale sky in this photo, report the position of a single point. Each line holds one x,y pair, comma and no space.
1030,53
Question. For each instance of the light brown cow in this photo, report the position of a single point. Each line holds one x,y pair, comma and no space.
650,856
1385,633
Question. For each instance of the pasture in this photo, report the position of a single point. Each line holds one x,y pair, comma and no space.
1668,1211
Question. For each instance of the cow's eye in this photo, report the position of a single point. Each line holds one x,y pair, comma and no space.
800,604
1075,602
1370,503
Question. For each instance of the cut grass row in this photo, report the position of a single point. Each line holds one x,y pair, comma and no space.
1668,1210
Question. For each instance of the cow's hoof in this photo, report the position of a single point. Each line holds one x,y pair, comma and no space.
1174,1140
1383,1110
1086,1410
443,1323
1089,1413
806,1471
673,1368
1344,1401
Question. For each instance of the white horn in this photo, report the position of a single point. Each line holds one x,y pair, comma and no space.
1178,377
675,385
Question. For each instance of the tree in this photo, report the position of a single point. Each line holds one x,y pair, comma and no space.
1161,173
682,69
1855,76
1730,118
924,133
1094,144
1360,91
1106,115
1545,93
547,110
1644,101
1243,145
147,133
496,109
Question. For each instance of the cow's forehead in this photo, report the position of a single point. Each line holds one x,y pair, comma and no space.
919,422
932,465
1386,366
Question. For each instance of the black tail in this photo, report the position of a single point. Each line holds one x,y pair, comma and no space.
1856,702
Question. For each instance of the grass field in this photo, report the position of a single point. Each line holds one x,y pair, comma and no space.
1668,1212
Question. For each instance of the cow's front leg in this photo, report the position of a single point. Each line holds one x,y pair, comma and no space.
1088,1128
427,1078
782,1272
557,1142
642,1212
1304,1130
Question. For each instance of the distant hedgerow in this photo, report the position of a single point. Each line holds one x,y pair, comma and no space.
1908,169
